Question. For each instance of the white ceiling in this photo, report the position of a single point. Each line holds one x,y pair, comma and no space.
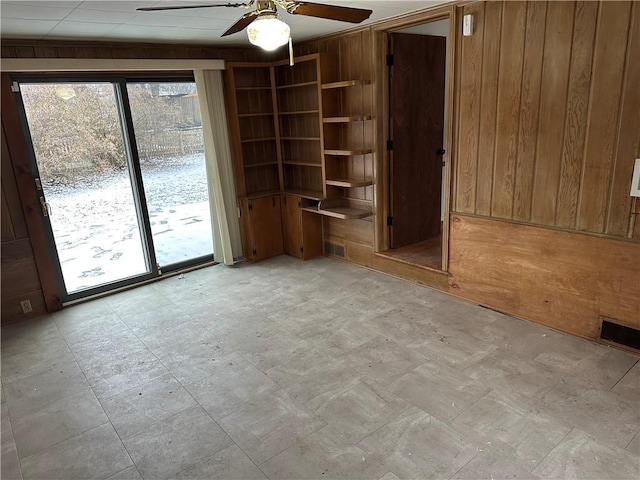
118,20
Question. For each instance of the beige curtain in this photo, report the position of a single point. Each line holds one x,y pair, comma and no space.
227,245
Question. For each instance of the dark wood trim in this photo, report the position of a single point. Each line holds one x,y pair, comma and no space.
20,162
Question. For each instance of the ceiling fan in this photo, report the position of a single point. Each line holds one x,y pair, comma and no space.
266,30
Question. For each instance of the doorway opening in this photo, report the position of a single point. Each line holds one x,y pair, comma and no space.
416,194
119,168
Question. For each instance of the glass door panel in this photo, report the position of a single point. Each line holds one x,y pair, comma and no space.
84,171
168,135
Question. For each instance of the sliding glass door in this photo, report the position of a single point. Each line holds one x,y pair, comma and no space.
120,174
168,132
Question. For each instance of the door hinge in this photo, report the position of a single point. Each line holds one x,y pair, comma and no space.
390,221
38,184
250,207
255,252
389,145
299,204
302,249
389,60
159,269
15,87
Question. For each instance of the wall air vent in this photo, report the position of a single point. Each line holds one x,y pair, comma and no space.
620,334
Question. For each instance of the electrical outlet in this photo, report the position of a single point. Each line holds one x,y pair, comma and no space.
26,306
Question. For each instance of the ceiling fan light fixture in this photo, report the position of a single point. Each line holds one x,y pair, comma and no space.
268,32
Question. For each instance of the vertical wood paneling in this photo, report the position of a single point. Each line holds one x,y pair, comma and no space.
628,135
488,106
609,61
529,109
469,112
513,36
576,115
553,100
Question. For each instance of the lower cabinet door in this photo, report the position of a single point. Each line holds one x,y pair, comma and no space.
262,227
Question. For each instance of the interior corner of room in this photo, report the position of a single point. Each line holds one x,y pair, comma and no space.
492,162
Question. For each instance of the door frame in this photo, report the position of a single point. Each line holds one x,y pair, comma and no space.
47,242
380,39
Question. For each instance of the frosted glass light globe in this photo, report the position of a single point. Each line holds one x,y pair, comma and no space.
268,32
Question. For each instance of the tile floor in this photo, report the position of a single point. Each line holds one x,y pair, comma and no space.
318,369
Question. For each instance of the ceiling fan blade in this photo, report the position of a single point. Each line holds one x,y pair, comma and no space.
241,24
332,12
183,7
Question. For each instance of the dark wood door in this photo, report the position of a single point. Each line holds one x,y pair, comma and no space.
263,227
417,126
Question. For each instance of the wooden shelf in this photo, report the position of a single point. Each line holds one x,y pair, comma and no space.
261,114
348,182
263,193
350,119
346,153
261,164
297,85
343,213
251,140
336,208
299,112
245,89
311,194
301,138
345,83
301,164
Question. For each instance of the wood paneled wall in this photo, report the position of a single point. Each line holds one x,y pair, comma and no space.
13,48
549,114
20,279
560,279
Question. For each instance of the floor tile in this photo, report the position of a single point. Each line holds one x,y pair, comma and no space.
319,457
383,360
389,476
417,445
231,388
629,385
83,332
32,335
439,390
634,445
119,363
136,300
30,394
269,425
9,463
309,374
24,364
581,456
130,473
522,380
603,413
170,446
531,436
357,409
57,422
97,453
488,465
228,464
136,409
451,347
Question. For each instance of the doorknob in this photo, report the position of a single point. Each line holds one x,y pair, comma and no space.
440,151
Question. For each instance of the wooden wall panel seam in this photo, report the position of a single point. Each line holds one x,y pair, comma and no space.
564,124
588,120
621,117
